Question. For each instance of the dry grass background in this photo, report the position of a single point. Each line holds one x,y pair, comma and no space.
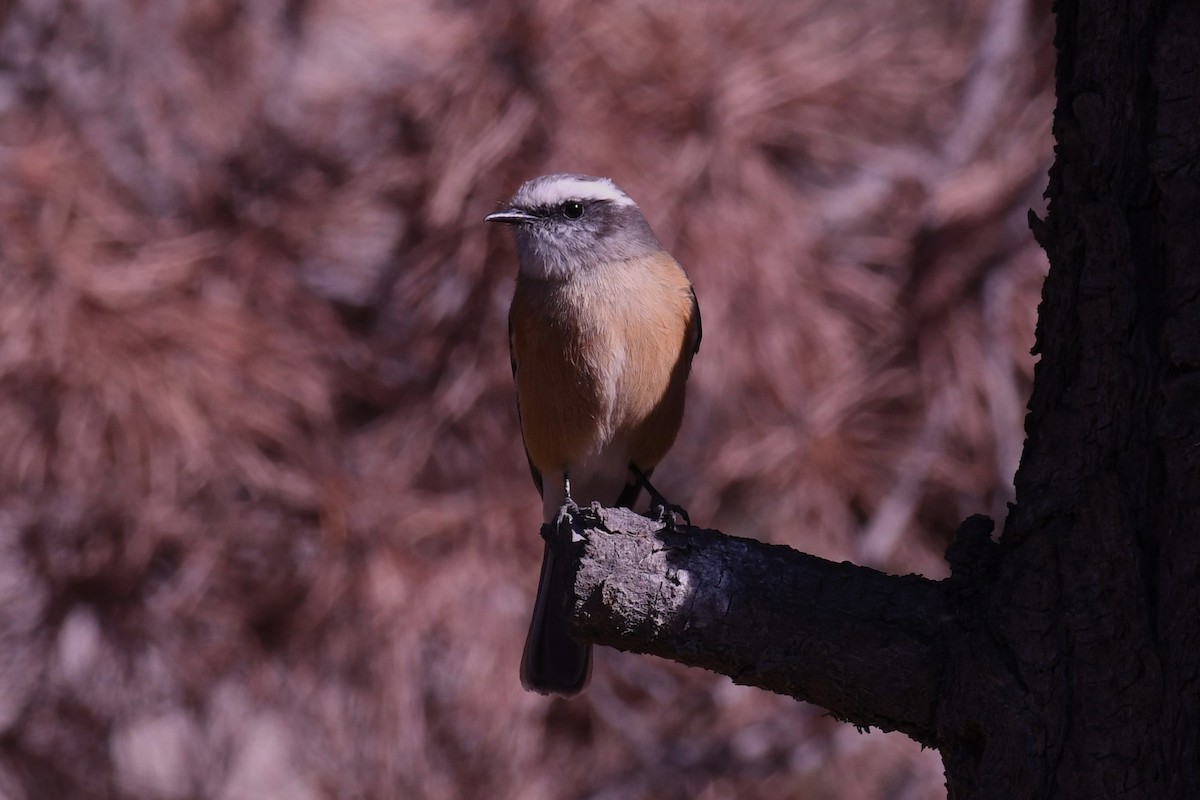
265,525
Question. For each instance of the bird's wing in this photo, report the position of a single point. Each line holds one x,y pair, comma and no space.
695,329
695,332
512,358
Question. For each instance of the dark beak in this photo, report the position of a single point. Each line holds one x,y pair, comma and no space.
510,216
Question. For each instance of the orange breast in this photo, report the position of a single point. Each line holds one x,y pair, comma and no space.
561,389
601,360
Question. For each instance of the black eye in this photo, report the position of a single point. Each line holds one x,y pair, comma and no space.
572,209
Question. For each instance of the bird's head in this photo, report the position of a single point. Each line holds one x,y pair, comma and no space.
567,226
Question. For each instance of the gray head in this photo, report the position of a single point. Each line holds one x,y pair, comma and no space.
571,224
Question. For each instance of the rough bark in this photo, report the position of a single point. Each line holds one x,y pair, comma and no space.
765,615
1097,569
1063,660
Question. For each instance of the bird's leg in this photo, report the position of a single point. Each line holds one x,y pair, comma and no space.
664,511
569,507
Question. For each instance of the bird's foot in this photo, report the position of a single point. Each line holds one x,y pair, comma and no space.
567,512
553,532
569,509
664,512
668,513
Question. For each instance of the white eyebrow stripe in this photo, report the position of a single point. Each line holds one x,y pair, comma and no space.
569,187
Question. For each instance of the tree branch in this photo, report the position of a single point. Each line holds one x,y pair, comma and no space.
865,645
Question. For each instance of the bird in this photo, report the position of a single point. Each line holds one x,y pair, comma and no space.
602,330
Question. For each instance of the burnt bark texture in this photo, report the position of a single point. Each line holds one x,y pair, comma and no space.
1063,660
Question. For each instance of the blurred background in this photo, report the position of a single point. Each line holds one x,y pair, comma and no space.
266,528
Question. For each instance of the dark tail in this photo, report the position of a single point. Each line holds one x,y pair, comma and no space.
553,662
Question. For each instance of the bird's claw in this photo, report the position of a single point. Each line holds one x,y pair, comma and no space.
669,513
568,512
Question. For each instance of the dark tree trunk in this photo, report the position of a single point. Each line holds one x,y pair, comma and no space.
1093,614
1064,660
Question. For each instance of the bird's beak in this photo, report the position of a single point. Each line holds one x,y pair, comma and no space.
510,216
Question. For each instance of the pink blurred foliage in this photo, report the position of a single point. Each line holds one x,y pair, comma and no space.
265,525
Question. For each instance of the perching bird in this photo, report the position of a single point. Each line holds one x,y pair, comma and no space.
602,330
